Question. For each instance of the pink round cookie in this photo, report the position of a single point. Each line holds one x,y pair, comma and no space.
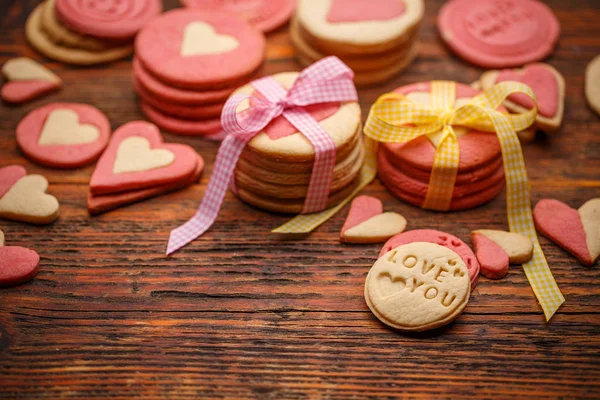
63,135
499,33
443,239
476,148
117,20
265,15
181,126
199,49
176,95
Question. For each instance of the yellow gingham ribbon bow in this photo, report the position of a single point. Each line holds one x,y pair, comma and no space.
396,119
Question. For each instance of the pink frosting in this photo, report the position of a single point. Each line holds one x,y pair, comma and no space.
365,10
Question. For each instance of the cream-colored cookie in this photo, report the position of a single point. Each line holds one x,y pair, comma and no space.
592,84
27,201
418,286
518,247
377,229
136,155
26,69
358,37
340,126
590,217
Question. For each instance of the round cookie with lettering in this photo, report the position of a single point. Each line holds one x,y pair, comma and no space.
200,49
63,135
418,287
499,33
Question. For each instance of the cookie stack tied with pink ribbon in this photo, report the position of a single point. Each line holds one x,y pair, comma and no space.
188,62
377,39
88,32
293,145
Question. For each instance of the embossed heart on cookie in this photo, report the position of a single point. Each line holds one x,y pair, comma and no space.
361,10
17,264
576,231
367,223
27,201
200,38
137,158
27,80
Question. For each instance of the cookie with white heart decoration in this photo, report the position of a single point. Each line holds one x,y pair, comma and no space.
367,223
496,250
23,197
17,264
63,135
548,85
27,80
576,231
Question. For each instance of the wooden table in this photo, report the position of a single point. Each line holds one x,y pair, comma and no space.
240,314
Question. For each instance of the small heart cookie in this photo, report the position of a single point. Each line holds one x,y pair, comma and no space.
576,231
26,200
495,250
366,222
17,264
27,80
548,86
136,158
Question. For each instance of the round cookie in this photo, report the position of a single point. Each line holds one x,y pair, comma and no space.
442,239
417,287
181,126
592,84
280,140
116,20
499,33
264,15
176,95
70,55
383,24
189,48
63,135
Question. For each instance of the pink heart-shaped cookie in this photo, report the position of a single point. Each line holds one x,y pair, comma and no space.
9,176
493,260
367,223
362,209
22,91
120,171
26,80
562,224
362,10
17,264
544,83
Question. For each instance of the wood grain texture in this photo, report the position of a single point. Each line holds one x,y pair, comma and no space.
241,314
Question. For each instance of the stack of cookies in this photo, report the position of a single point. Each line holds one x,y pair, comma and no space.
88,32
377,39
187,64
274,170
405,169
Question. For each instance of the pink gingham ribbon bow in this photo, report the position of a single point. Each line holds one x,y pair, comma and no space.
328,80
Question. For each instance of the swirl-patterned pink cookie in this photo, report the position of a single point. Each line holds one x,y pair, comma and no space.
499,33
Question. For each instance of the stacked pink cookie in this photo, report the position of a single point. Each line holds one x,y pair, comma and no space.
187,64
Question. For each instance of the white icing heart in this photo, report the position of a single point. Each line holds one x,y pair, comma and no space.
25,69
200,38
135,155
62,127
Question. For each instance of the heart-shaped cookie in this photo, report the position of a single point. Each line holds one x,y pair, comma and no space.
548,86
361,10
17,264
27,201
495,250
62,128
27,80
366,222
565,227
200,38
124,167
9,176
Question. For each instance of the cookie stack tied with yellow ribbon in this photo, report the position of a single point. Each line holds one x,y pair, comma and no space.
377,39
274,170
88,32
187,64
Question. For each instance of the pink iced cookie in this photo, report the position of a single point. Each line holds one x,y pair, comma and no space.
27,80
207,127
189,48
9,176
117,20
562,224
17,264
492,258
362,209
499,33
441,238
63,135
137,158
361,10
265,15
